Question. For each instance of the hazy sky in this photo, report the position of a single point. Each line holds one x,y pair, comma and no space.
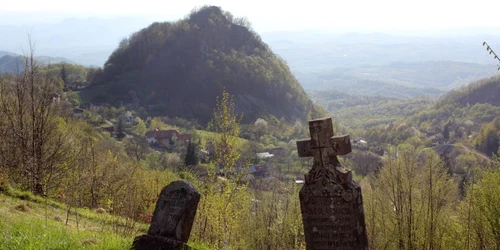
271,15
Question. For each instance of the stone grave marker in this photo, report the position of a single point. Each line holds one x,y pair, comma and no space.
172,219
330,201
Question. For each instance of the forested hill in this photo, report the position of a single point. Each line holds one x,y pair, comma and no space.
470,115
178,69
478,102
12,63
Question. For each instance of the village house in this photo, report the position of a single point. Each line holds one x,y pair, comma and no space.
78,112
260,171
110,130
166,137
264,155
277,151
161,136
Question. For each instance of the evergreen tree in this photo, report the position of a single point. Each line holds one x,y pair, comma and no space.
64,75
120,129
446,131
191,158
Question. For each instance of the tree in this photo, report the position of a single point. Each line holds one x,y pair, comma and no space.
191,158
140,127
446,131
137,148
120,128
35,137
409,202
226,122
260,126
487,141
64,75
480,209
222,212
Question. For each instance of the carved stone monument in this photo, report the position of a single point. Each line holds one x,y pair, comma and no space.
172,219
331,202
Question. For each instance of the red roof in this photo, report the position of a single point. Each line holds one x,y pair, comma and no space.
184,137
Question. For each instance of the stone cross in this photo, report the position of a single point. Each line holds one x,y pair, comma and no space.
325,147
330,201
172,219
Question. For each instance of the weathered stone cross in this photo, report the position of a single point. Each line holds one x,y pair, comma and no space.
323,145
330,201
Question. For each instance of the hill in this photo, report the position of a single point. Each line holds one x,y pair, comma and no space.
477,102
468,116
178,69
3,53
10,62
365,111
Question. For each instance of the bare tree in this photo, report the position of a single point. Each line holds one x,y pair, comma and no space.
33,134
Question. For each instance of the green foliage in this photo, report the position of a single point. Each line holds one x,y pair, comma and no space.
225,122
409,203
140,127
479,211
363,112
71,75
488,139
475,102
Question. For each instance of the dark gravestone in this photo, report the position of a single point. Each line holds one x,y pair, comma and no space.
172,219
331,202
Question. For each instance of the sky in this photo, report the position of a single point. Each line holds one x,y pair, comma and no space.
276,15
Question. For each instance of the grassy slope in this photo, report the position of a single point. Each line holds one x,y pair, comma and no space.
29,223
43,227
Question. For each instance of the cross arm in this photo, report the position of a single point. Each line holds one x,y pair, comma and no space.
341,144
304,148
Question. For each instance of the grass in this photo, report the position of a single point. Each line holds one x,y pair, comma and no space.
32,222
30,225
103,218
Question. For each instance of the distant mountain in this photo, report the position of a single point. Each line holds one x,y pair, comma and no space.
86,41
316,51
402,80
178,69
12,63
3,53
